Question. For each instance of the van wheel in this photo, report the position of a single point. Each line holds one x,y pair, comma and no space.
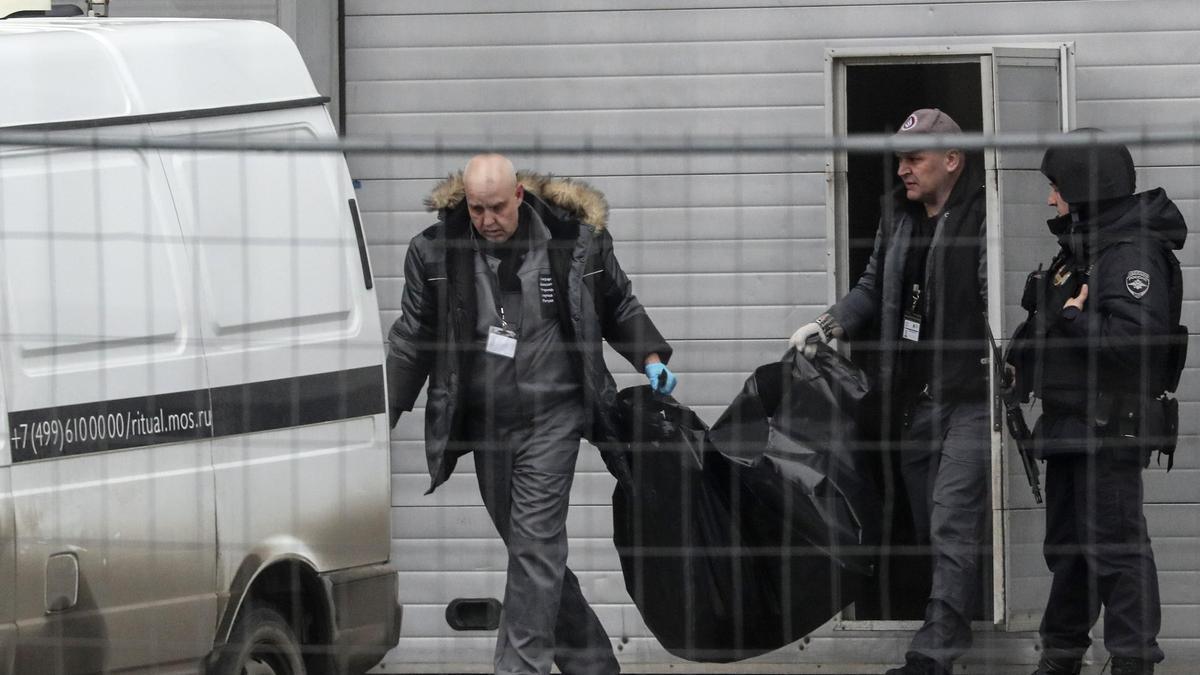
262,643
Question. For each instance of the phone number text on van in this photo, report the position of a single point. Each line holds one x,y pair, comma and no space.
109,425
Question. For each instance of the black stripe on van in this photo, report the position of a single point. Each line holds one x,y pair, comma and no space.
101,426
296,401
171,116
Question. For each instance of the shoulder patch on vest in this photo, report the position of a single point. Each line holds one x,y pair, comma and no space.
1137,283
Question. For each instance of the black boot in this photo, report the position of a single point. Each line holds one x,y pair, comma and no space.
1126,665
1059,666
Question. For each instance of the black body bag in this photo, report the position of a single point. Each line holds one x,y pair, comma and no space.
738,540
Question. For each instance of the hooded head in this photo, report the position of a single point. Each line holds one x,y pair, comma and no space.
1085,175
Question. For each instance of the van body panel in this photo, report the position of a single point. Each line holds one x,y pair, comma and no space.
101,323
97,284
312,490
134,67
192,375
259,224
8,546
8,572
8,648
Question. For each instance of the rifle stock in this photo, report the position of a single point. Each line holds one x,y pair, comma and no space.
1019,432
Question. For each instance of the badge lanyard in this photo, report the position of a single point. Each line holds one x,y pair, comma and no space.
502,339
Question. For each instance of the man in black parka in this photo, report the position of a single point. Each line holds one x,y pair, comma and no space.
1095,351
506,300
925,287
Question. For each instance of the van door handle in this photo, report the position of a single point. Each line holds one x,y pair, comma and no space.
362,245
62,582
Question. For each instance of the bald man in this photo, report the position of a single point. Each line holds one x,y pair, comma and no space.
506,301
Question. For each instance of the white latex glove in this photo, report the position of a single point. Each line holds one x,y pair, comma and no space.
805,339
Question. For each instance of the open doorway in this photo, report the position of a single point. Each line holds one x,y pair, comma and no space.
878,97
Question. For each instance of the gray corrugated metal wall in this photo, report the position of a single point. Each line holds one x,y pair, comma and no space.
727,252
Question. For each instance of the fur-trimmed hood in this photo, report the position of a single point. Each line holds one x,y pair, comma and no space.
573,196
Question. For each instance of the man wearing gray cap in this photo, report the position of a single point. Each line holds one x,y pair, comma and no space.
925,287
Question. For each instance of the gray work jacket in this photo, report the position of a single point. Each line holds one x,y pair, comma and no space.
433,339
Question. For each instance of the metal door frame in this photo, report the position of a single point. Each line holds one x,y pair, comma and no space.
837,245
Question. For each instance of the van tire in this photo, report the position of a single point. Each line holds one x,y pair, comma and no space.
261,642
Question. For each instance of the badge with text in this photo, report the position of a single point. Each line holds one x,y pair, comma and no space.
546,295
912,318
912,327
1137,283
502,342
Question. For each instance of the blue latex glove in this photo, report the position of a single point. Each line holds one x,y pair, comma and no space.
662,380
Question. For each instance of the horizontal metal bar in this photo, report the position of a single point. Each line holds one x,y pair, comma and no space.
604,145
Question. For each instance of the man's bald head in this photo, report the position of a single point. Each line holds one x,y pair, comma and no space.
493,196
489,168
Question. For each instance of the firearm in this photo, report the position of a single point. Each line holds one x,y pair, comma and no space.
1014,419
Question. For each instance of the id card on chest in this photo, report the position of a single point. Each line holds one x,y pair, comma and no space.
911,327
502,341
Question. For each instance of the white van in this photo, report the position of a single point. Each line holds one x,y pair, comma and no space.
194,470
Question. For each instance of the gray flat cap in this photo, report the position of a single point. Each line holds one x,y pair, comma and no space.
929,121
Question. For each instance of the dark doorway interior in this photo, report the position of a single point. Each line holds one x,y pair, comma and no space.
878,99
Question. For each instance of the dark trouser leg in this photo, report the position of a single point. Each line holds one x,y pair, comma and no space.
920,442
958,509
1124,560
1074,602
525,481
1109,561
582,645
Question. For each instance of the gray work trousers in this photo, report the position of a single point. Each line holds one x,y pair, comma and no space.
945,459
525,469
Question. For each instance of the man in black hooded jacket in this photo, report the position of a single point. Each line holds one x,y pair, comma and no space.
1101,319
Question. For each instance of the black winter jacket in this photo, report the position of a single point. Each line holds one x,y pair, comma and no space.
956,290
1118,343
433,337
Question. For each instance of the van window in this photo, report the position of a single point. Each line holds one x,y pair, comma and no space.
86,258
270,233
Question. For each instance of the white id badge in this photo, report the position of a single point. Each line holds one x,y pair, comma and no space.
502,342
912,328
